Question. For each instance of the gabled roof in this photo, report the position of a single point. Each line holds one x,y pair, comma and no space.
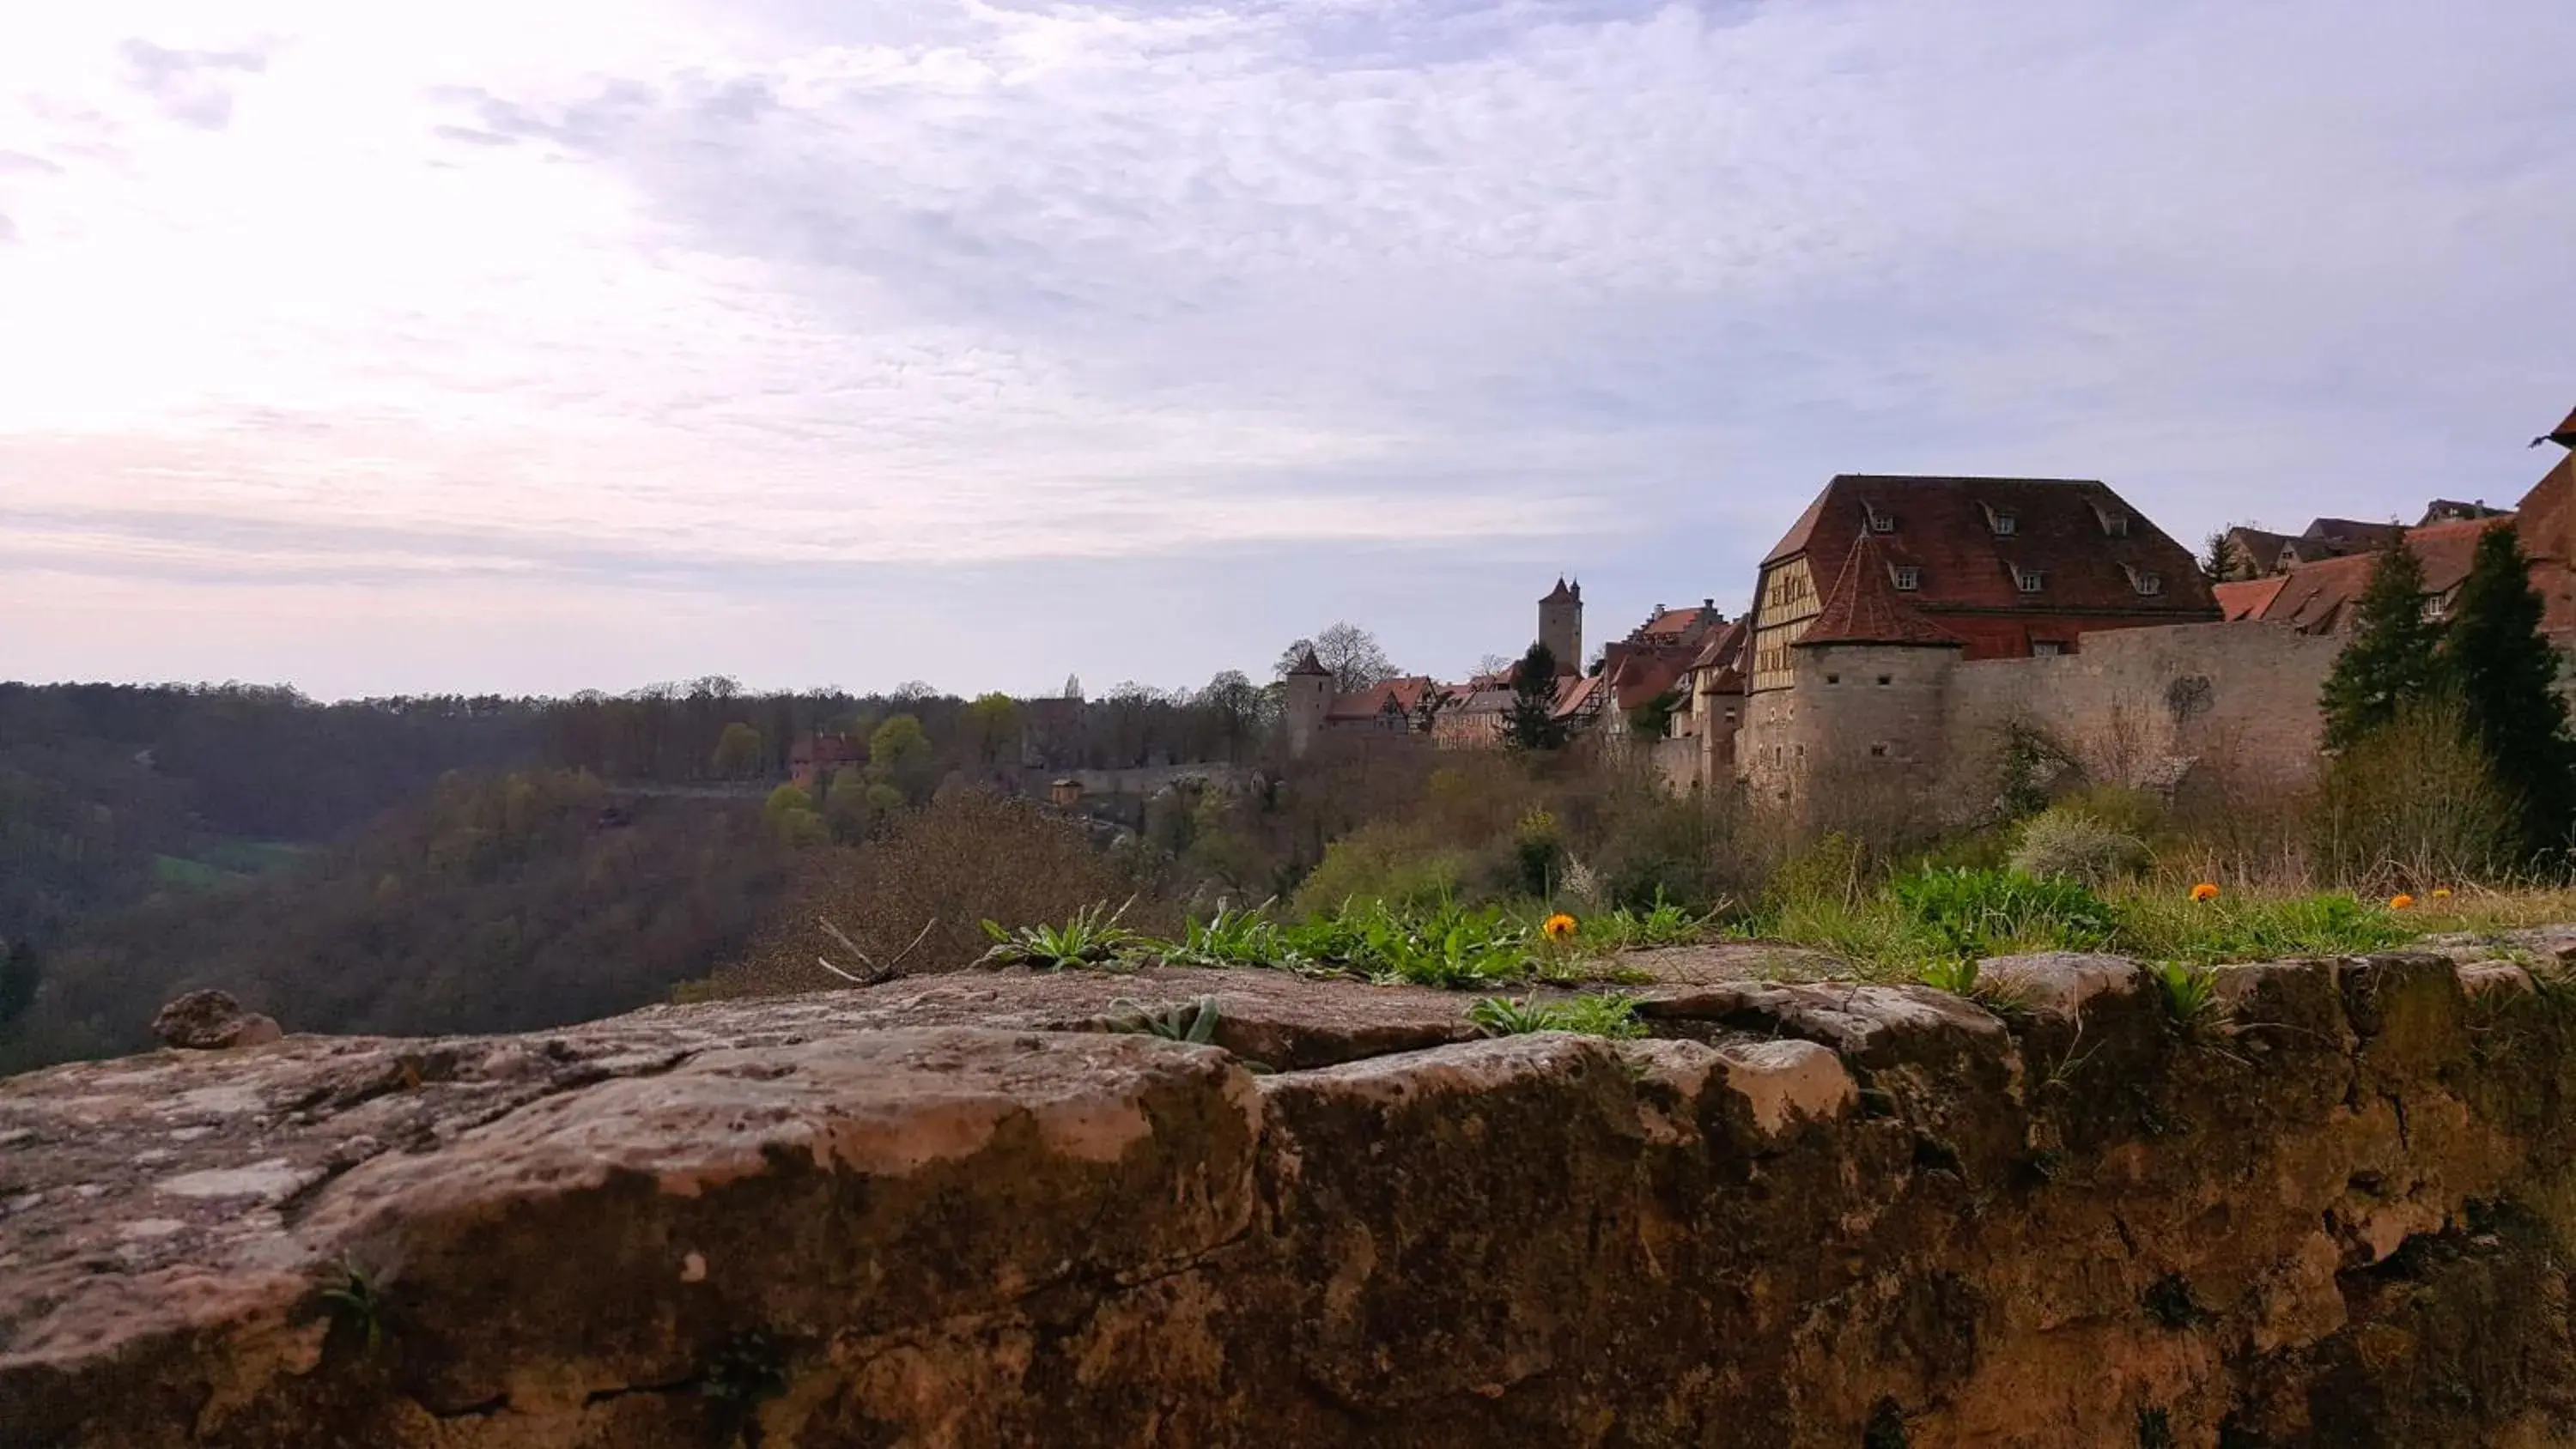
2318,598
2351,533
1643,678
2084,540
1563,595
1865,608
2248,598
1582,697
1402,696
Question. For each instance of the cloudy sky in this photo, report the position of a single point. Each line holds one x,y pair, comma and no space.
531,345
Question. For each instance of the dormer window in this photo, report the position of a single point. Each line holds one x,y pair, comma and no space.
2001,520
2146,581
2114,523
2027,579
1879,520
1906,577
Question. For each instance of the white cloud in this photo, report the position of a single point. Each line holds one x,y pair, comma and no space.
598,296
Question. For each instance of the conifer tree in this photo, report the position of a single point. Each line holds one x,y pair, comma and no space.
1530,724
2389,661
2495,661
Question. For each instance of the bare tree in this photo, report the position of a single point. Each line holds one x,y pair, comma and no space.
1349,651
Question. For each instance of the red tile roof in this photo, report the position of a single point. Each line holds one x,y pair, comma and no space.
1643,678
1368,704
1948,529
2248,598
2564,435
1581,697
1865,607
2319,598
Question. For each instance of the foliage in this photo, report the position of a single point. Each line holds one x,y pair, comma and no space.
2241,926
1985,912
899,757
2496,663
993,724
1449,946
358,1301
1093,937
2412,802
2389,662
789,813
1530,724
495,903
1229,938
1661,923
2189,993
1386,864
1958,976
1350,652
1537,846
740,752
967,857
2069,842
1194,1022
1609,1016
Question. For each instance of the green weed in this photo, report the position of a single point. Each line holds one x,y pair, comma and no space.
1194,1022
1093,937
1609,1016
359,1301
2189,993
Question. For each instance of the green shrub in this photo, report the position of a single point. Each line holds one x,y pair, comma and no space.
2412,804
2065,842
1983,912
1536,849
1384,864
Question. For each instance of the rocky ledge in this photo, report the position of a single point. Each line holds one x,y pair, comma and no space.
2333,1208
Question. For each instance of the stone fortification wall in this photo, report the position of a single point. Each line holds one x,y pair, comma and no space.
2337,1212
2140,706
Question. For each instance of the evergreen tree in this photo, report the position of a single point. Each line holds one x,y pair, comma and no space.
1530,724
2390,659
19,974
2502,671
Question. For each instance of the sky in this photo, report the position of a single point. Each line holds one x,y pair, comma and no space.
556,344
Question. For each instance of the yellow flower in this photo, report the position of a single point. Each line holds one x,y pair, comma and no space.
2441,893
1558,927
2204,892
2400,901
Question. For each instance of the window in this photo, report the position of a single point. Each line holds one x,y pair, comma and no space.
1887,679
1833,679
2114,522
1878,752
2029,579
2001,521
2046,648
2148,582
1908,577
1879,522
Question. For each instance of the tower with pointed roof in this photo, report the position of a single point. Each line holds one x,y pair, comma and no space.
1305,697
1560,625
1867,695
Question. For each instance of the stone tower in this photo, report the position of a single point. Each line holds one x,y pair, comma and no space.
1871,681
1304,696
1560,626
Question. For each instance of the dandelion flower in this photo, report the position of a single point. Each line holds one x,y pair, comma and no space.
2204,891
2400,901
2441,893
1558,927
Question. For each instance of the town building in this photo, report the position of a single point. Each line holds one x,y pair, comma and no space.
812,758
1885,582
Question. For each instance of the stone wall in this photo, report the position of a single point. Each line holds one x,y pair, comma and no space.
2338,1212
2140,706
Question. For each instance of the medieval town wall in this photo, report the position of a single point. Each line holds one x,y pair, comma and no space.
2145,706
